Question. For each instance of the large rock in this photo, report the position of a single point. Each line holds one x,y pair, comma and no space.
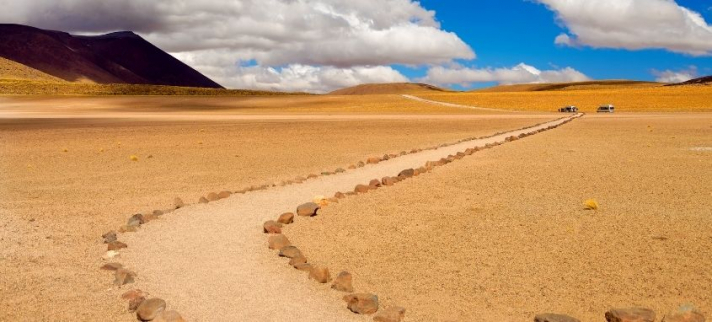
391,314
278,241
634,314
343,282
550,317
320,274
272,227
109,237
308,209
150,309
407,173
169,316
362,188
290,252
362,303
178,203
684,314
123,276
286,218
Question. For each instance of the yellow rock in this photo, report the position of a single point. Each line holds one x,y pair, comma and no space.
133,158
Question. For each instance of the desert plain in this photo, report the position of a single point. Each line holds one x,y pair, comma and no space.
500,235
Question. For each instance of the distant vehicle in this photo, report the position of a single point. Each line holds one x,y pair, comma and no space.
569,109
606,108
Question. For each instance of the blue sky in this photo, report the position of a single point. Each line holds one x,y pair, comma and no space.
504,33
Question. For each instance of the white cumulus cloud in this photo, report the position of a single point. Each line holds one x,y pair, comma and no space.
632,24
522,73
675,76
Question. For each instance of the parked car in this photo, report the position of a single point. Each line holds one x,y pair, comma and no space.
569,109
606,108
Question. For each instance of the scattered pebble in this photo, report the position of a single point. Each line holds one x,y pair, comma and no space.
272,227
123,277
320,274
178,203
308,209
286,218
116,245
213,196
685,313
290,252
343,282
150,309
362,303
278,241
109,237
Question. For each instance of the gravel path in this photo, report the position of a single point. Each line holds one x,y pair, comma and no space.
418,99
210,262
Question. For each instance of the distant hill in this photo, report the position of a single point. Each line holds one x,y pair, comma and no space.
592,85
11,70
707,80
386,88
115,58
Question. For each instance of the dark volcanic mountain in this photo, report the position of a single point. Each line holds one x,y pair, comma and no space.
120,57
707,80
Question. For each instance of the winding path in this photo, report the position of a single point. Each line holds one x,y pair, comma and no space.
418,99
211,263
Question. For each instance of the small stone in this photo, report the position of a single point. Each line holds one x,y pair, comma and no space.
213,196
112,266
635,314
109,237
386,157
149,217
339,195
169,316
116,245
150,309
407,173
272,227
306,267
157,213
135,302
343,282
308,209
375,183
290,252
286,218
278,241
312,176
362,303
373,160
550,317
136,220
123,277
391,314
178,203
351,167
362,188
686,313
224,194
340,170
333,200
132,294
128,229
360,164
320,274
203,200
388,181
110,255
297,261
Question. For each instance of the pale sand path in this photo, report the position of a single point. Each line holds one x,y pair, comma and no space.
211,263
423,100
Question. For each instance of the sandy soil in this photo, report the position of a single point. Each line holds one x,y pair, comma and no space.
502,235
54,205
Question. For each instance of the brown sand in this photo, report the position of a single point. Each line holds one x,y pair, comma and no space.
502,235
54,205
211,261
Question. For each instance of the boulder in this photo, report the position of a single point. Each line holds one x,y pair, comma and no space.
169,316
550,317
123,276
290,252
684,314
178,203
375,183
224,194
272,227
116,245
286,218
150,309
203,200
278,241
362,303
388,181
635,314
391,314
343,282
320,274
213,196
112,266
373,160
361,188
109,237
308,209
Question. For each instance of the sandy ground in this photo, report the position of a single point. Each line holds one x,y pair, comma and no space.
212,264
502,235
54,205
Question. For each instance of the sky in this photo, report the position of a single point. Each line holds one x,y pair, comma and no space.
322,45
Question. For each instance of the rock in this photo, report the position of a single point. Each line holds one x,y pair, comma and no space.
278,241
373,160
343,282
111,266
203,200
272,227
128,229
149,217
306,267
109,237
333,200
224,194
116,245
136,220
158,213
297,261
299,179
388,181
150,309
326,173
320,274
360,164
178,203
685,313
340,170
286,218
351,167
407,173
110,255
422,170
212,196
312,176
362,303
320,200
386,157
635,314
123,277
308,209
362,188
391,314
290,252
132,294
169,316
375,183
135,302
550,317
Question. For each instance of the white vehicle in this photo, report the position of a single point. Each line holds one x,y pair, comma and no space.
606,108
569,109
